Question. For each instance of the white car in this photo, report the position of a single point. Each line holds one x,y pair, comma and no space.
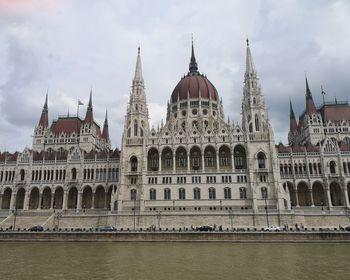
272,228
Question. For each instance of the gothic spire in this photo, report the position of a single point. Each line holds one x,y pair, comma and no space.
310,105
193,67
293,123
105,132
44,118
138,78
250,69
89,118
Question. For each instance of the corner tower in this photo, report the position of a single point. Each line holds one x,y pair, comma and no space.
136,128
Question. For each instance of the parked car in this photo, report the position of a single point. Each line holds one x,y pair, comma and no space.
347,228
107,229
205,228
272,228
36,228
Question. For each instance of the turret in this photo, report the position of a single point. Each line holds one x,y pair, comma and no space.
44,118
105,132
89,118
310,105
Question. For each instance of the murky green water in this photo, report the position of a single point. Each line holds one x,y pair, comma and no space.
173,261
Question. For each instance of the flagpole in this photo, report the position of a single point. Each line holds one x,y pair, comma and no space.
323,94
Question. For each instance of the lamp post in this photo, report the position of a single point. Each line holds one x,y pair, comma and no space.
267,215
230,213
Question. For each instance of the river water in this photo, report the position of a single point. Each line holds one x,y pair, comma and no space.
131,260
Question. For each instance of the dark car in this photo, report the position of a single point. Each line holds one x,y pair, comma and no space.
204,228
36,228
347,228
107,229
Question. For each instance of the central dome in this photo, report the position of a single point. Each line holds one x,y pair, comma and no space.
194,85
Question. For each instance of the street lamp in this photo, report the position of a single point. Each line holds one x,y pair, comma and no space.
230,213
267,215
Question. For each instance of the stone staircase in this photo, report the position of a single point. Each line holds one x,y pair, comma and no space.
24,220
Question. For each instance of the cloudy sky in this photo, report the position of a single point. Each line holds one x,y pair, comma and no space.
69,46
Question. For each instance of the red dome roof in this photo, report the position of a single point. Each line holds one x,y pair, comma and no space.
194,85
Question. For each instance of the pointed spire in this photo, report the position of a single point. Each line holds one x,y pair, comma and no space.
250,69
138,78
293,126
193,67
105,132
44,118
310,105
89,118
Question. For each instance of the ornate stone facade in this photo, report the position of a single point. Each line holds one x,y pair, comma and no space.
196,162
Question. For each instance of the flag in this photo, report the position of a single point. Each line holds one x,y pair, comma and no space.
80,103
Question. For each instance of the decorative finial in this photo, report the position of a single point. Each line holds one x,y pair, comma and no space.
247,42
138,49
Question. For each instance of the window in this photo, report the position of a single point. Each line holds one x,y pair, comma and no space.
243,193
332,167
182,194
167,194
227,193
196,193
264,193
74,173
261,160
133,194
212,193
240,157
152,194
133,164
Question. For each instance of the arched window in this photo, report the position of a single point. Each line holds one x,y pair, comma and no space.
210,157
167,159
181,158
195,158
74,173
225,157
22,174
242,193
167,194
264,193
133,164
332,167
196,193
153,160
227,193
152,194
212,193
135,128
133,194
261,160
182,194
257,127
240,157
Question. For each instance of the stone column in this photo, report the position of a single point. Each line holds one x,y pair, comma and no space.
0,201
65,200
160,162
232,162
26,200
346,200
52,198
296,198
217,161
329,200
93,200
203,163
13,201
174,162
106,196
188,162
80,194
311,197
40,198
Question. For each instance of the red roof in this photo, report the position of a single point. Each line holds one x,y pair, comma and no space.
335,112
194,85
297,149
66,125
115,154
312,148
283,149
343,146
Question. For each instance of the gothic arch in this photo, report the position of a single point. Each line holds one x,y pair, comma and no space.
100,197
195,158
6,199
303,194
318,194
292,193
58,198
336,194
20,198
181,158
167,159
225,157
34,199
210,157
72,198
153,159
46,198
240,158
86,202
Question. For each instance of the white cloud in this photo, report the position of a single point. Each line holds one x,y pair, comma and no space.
69,46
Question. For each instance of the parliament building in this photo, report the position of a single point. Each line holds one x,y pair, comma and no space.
195,164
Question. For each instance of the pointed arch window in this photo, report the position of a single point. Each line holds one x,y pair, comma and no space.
257,128
135,128
133,194
332,167
167,194
264,194
227,193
